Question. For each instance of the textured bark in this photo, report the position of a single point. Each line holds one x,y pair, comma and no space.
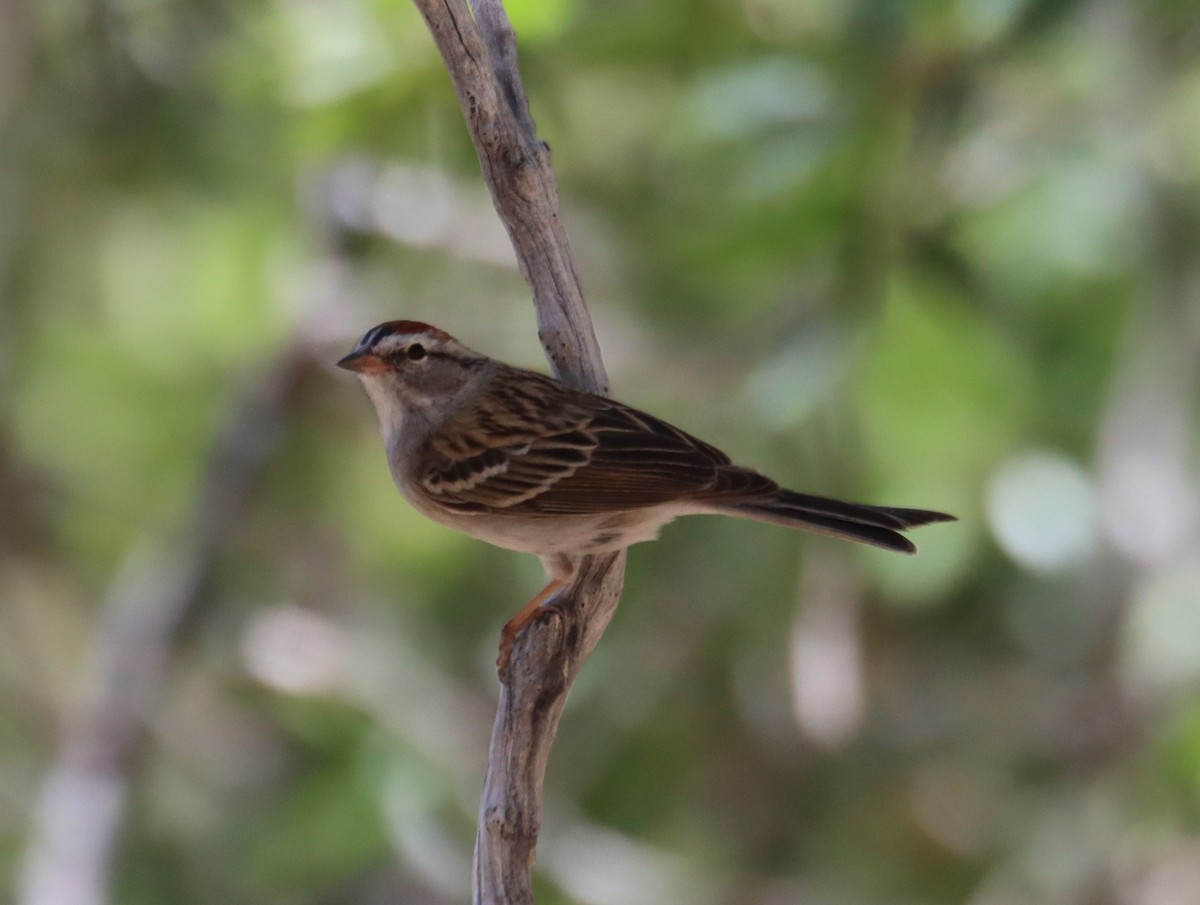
480,54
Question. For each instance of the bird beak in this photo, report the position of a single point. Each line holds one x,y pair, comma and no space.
362,361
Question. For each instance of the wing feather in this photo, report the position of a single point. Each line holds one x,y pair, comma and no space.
586,454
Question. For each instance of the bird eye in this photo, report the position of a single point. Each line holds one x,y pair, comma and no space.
416,352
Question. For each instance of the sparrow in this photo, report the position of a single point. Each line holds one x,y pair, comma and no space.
522,461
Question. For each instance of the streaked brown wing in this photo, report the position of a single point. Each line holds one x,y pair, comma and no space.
596,456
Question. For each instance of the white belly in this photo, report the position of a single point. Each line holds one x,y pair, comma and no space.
572,535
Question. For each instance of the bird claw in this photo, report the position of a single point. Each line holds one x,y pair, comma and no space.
517,625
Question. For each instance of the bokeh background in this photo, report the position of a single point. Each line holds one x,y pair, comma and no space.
940,253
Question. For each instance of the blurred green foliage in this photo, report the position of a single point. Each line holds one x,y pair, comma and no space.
939,254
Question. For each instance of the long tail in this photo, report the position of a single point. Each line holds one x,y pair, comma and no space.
879,526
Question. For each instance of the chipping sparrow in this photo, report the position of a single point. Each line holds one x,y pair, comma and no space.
525,462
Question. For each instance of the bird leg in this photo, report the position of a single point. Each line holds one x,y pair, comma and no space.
521,621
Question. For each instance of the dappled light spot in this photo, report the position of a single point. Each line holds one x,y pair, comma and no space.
295,651
1149,504
825,659
1042,510
1161,650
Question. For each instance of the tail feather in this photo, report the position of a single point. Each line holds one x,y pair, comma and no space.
879,526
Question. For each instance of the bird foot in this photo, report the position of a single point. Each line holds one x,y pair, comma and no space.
542,603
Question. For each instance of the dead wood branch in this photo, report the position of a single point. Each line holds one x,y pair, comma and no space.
480,53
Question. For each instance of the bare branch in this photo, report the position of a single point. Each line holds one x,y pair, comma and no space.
481,57
545,663
501,41
81,804
516,168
